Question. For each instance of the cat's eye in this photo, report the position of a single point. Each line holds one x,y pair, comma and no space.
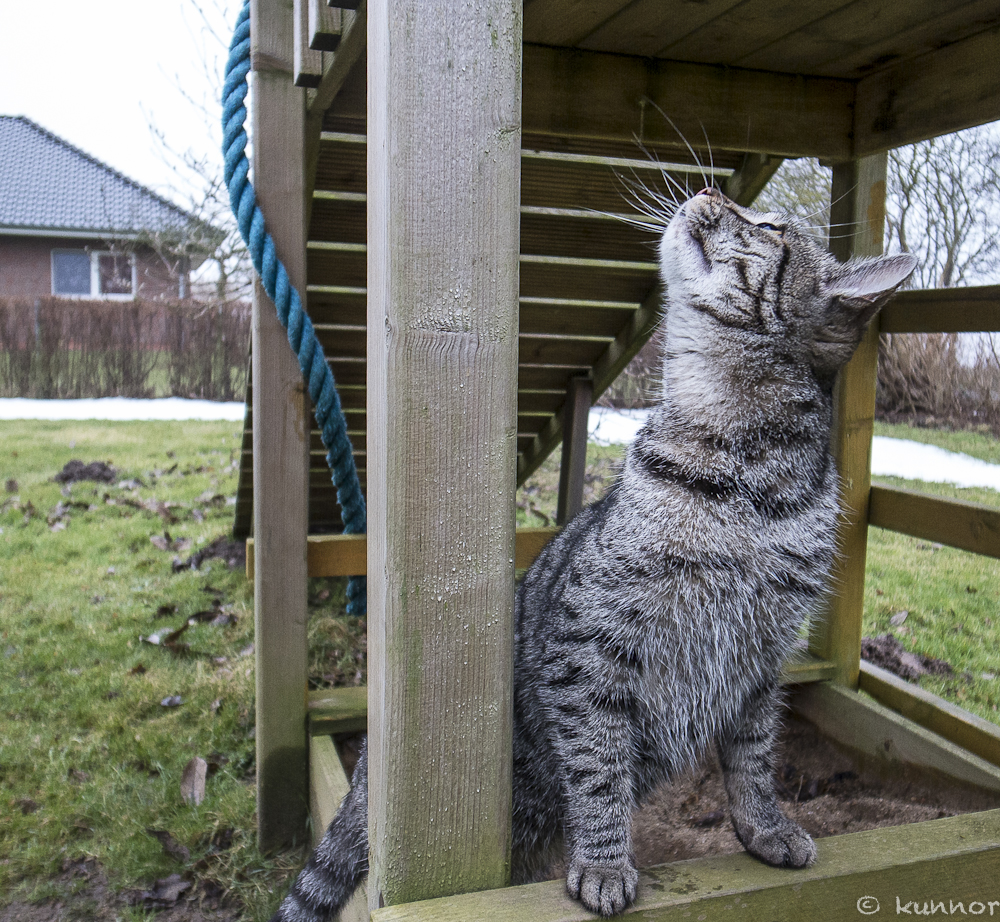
771,227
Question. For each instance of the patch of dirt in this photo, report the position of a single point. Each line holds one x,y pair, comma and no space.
888,653
89,897
75,471
823,788
234,553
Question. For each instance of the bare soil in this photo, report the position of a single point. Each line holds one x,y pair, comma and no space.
827,790
89,898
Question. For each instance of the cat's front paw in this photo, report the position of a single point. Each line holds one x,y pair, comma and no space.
602,888
786,846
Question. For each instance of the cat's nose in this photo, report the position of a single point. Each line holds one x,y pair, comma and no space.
710,192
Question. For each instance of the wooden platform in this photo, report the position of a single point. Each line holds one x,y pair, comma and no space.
444,181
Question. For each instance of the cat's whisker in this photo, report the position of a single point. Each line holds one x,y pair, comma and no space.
711,156
697,160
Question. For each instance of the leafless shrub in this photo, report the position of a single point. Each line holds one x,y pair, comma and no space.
939,379
52,347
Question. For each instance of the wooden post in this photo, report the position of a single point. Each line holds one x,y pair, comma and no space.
443,238
573,465
281,442
857,218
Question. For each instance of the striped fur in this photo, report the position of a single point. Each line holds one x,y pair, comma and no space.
654,626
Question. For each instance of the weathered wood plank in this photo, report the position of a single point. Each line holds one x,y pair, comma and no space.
573,465
280,464
858,207
443,200
648,27
307,63
335,69
613,97
329,785
618,354
954,858
801,666
890,739
749,180
347,555
951,88
940,25
955,724
968,526
943,310
807,33
350,50
326,26
338,710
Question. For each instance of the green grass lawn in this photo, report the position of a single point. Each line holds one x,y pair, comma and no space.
90,757
952,597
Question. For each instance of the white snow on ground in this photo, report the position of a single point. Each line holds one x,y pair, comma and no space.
890,457
916,461
120,408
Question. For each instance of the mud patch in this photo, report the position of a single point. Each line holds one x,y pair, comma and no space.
888,653
234,553
89,897
75,471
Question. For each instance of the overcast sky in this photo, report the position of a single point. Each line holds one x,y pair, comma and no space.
98,73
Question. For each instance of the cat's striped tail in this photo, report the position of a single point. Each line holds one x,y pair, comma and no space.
338,864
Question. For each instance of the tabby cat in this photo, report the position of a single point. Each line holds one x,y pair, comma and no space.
656,623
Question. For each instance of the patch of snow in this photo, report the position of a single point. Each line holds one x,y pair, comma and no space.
916,461
890,457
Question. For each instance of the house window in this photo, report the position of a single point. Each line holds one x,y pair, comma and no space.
93,274
114,274
71,272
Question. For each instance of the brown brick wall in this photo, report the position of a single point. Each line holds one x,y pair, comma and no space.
26,267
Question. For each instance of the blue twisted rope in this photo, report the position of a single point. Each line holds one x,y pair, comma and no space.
274,277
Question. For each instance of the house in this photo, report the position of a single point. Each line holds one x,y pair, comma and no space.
72,226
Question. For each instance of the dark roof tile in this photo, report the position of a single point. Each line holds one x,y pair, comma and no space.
48,184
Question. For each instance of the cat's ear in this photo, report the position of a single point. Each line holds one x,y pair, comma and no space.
863,286
855,292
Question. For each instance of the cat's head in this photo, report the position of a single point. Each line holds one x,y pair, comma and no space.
759,280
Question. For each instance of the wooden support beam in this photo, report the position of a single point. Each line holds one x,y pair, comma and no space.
954,859
749,180
573,465
443,216
572,94
858,208
945,90
351,49
308,63
955,724
326,26
968,526
347,555
943,310
281,457
889,739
